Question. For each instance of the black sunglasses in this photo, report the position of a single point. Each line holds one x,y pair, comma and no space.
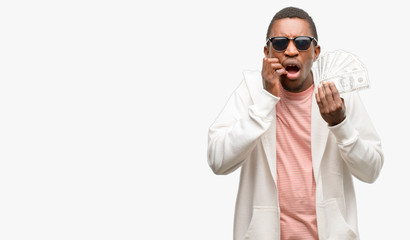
302,43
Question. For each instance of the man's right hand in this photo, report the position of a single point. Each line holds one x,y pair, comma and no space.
271,72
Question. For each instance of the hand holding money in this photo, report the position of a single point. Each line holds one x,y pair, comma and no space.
331,105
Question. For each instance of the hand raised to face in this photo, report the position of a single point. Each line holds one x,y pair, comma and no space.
272,69
331,105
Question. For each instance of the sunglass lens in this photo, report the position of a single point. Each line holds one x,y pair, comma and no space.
280,44
302,43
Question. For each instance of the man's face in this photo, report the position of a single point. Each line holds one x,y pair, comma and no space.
297,63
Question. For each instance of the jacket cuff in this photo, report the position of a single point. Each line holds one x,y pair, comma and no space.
264,105
344,132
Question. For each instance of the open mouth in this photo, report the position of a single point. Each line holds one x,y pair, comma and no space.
293,71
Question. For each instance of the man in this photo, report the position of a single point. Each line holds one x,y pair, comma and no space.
298,142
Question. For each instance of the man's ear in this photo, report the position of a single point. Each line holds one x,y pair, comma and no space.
317,52
266,51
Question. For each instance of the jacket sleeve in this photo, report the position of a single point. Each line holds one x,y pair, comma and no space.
236,130
358,141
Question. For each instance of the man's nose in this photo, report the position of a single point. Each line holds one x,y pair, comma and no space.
291,50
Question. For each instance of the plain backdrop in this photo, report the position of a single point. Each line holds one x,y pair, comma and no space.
105,108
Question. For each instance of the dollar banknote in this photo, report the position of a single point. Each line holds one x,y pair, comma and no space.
350,81
344,69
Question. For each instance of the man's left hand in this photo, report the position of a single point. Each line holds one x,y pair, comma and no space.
331,105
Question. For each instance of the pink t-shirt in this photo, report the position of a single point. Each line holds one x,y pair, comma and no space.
296,183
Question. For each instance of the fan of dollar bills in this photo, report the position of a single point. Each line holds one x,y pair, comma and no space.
344,69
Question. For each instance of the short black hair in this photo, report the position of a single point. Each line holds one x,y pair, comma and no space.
293,12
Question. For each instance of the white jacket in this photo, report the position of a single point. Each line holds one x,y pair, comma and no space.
244,135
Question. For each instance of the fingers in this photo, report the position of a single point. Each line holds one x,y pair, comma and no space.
271,71
319,102
328,93
321,99
279,72
330,103
327,97
270,65
335,92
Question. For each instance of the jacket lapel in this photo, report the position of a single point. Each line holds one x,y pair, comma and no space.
319,135
253,81
269,146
